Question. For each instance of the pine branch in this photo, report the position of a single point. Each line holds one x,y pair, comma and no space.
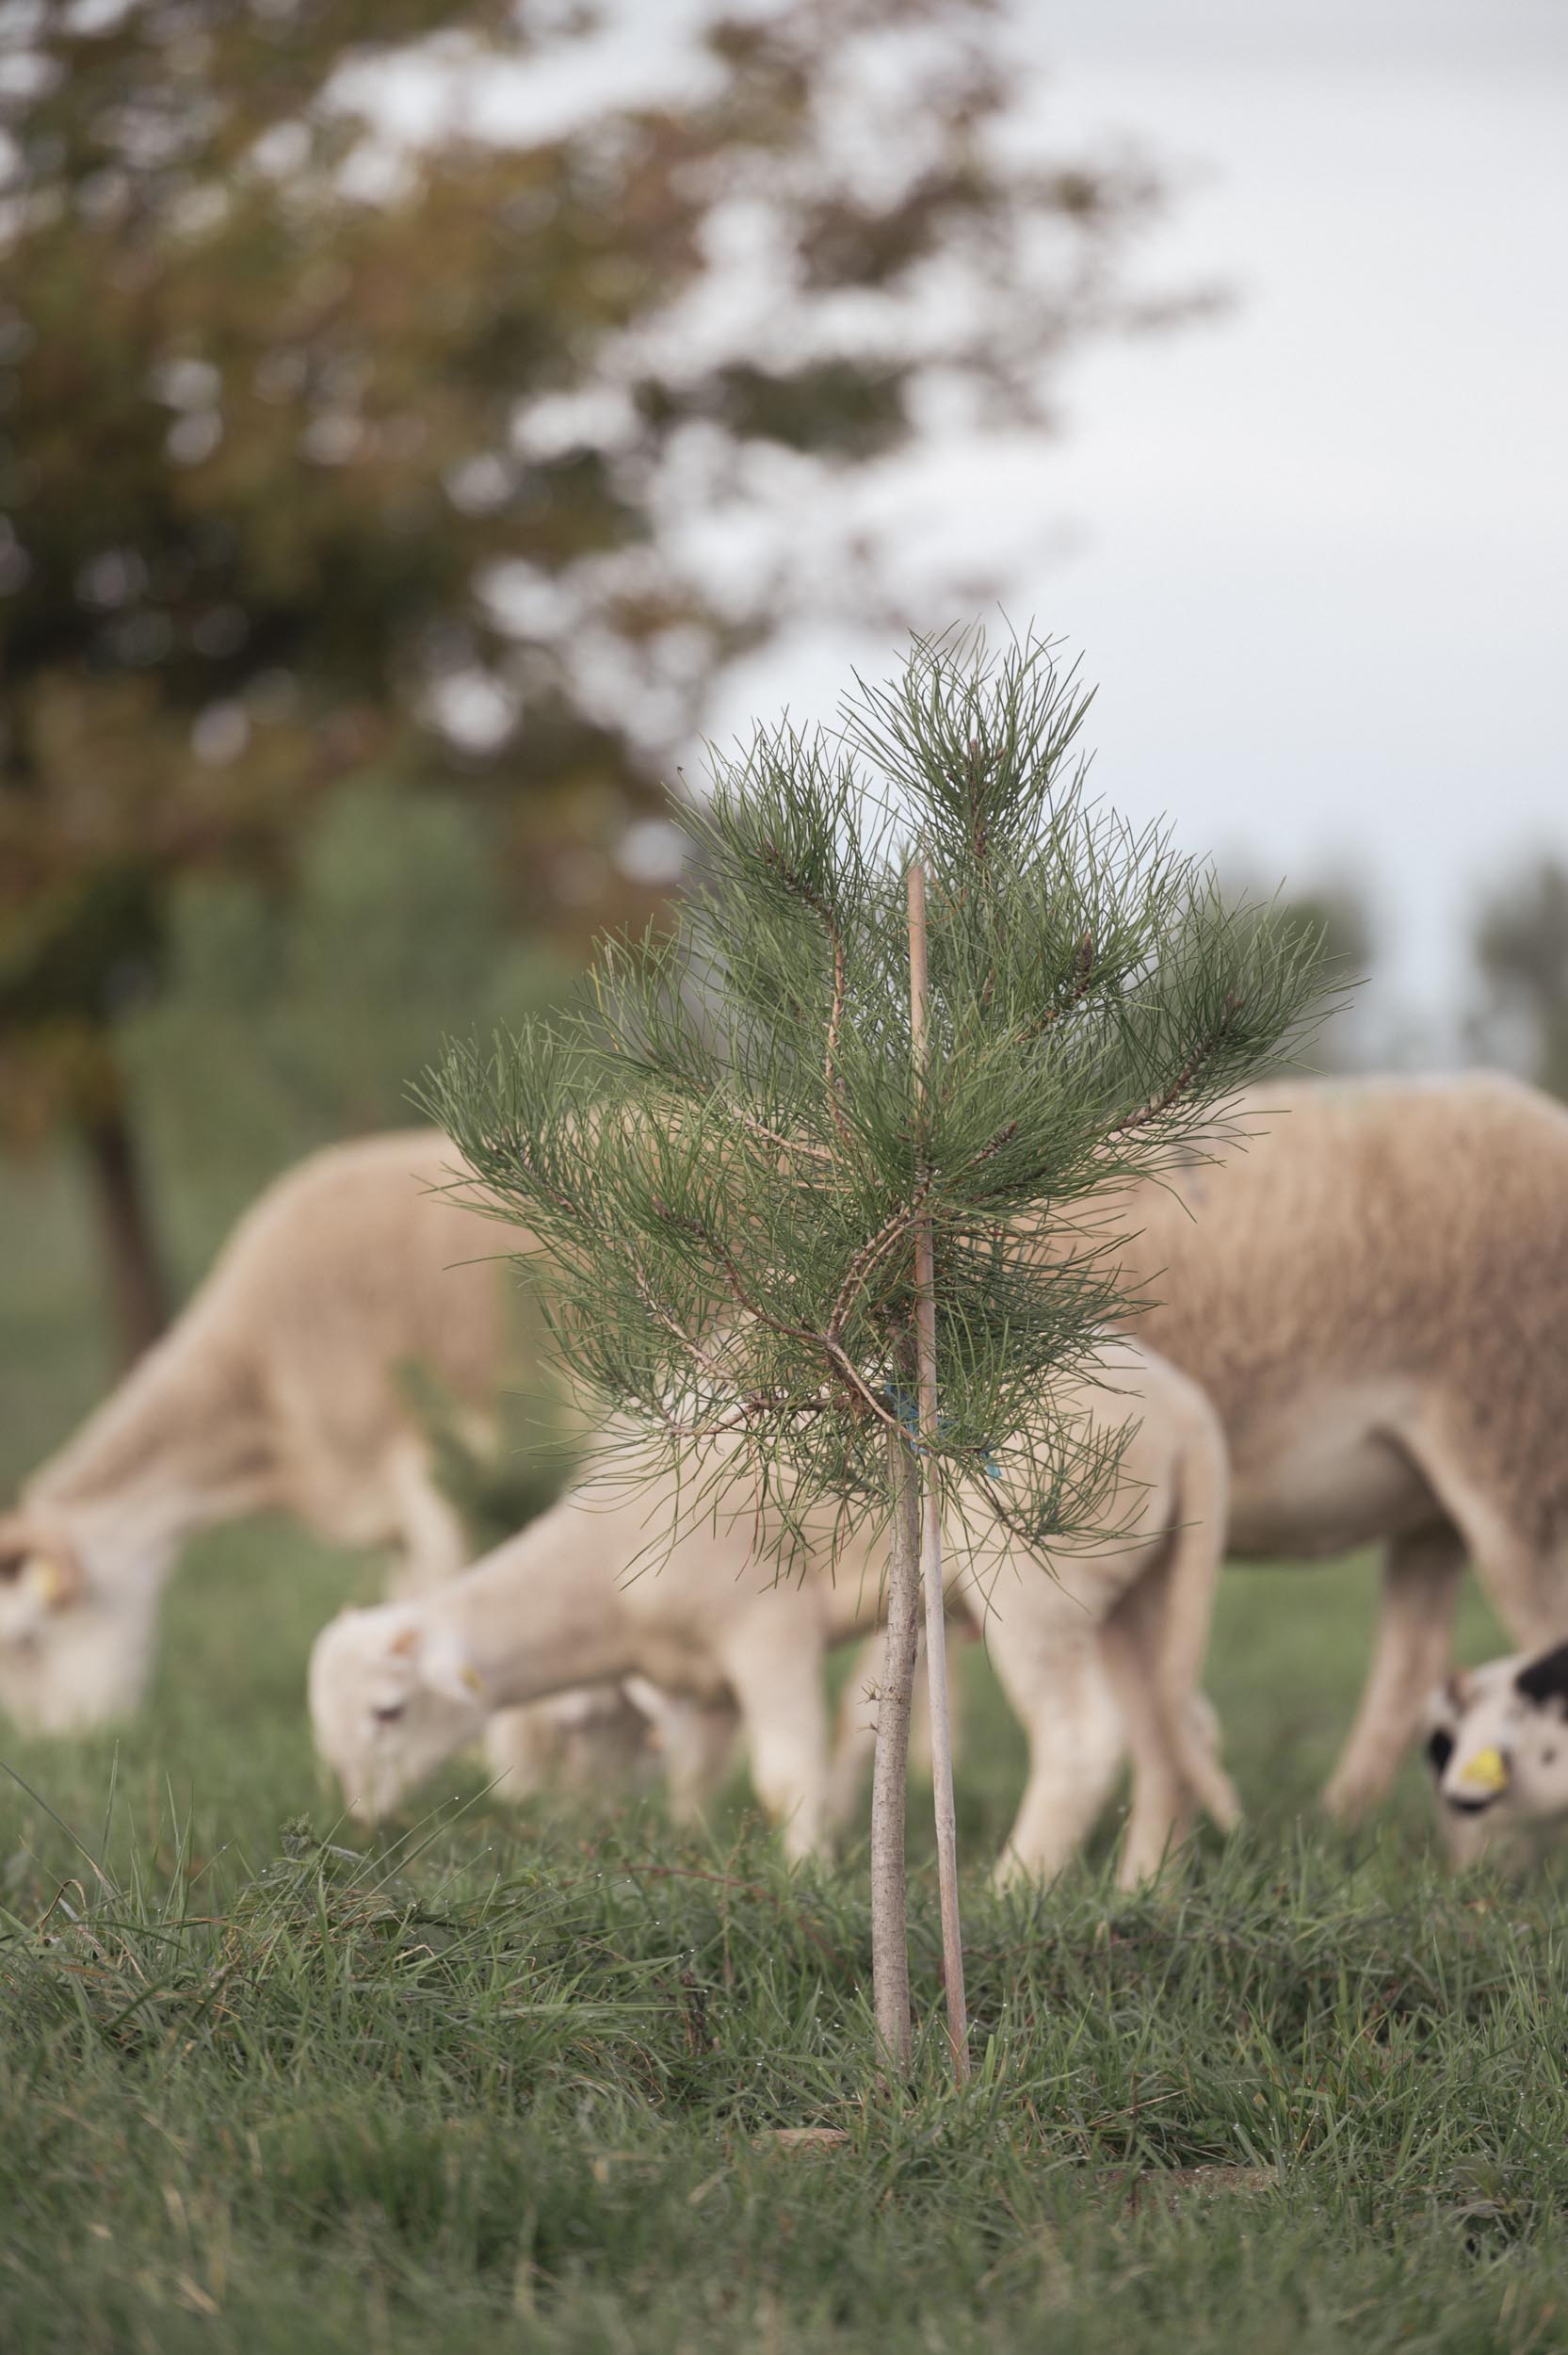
1202,1054
566,1204
743,1422
980,840
866,1258
899,1224
787,1144
700,1357
702,1232
1084,970
842,1364
989,1149
801,890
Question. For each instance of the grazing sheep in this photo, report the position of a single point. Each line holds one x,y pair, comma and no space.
396,1689
1373,1294
1498,1746
1103,1648
278,1388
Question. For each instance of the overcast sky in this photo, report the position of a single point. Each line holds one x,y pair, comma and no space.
1317,553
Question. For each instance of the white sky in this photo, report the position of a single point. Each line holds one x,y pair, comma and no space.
1316,553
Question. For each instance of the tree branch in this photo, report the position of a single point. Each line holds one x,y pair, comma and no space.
870,1253
777,1136
1083,966
829,922
1203,1053
842,1365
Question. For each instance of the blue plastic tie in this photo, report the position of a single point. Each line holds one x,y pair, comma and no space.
905,1404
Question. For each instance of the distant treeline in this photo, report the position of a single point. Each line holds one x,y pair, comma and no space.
1512,1002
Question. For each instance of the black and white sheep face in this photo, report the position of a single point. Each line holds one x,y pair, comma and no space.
1498,1743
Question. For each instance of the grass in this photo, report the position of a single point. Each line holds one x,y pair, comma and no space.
500,2080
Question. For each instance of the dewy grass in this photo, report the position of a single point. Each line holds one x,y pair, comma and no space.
496,2080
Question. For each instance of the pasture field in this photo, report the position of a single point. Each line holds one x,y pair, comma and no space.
498,2079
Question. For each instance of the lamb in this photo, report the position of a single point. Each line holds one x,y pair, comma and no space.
1373,1294
1498,1746
276,1389
1099,1646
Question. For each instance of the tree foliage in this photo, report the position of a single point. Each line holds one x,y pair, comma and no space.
724,1156
1520,944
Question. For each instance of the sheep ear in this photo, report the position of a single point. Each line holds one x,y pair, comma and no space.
405,1643
447,1668
1544,1679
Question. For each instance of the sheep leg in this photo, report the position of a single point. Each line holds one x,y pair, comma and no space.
695,1741
1057,1683
1526,1582
1420,1588
775,1672
1526,1587
432,1542
1161,1811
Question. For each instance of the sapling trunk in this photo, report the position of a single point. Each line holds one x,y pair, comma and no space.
931,1556
890,1769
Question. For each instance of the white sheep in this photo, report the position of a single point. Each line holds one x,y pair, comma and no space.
278,1388
1098,1650
1496,1742
1373,1293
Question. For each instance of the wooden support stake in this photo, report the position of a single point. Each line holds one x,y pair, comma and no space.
930,1558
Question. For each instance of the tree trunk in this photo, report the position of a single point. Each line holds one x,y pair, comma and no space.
137,1298
889,1889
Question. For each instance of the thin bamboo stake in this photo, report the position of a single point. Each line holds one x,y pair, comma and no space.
890,1770
930,1558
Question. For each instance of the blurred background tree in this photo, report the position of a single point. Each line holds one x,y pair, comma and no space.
327,453
1519,942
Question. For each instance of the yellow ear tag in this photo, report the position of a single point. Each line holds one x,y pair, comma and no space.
1487,1771
47,1579
475,1682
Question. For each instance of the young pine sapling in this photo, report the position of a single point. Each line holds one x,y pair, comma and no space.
823,1183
